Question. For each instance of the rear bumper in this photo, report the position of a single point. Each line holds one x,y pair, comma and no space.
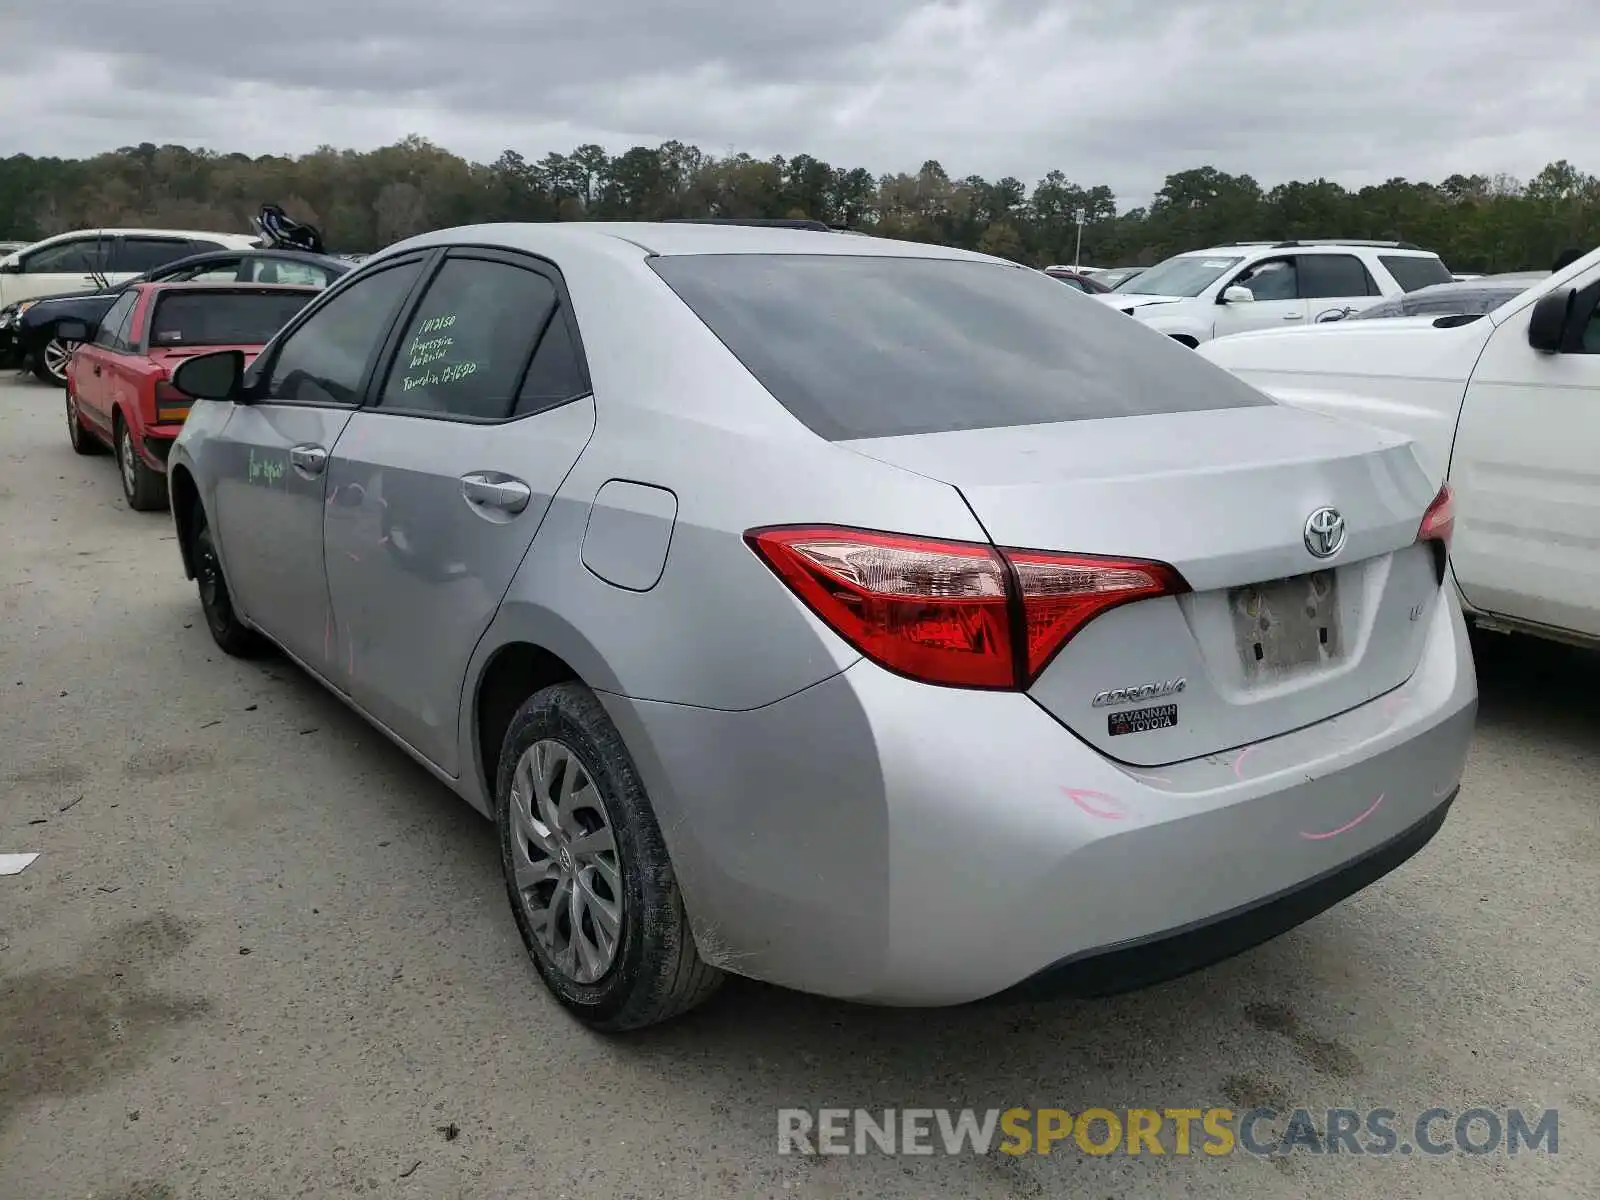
1110,970
881,840
158,441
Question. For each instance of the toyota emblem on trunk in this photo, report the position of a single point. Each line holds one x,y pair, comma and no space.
1325,532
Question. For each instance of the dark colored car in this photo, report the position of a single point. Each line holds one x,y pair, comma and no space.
29,331
1087,284
1468,298
119,391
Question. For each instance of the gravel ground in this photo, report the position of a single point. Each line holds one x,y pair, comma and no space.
264,955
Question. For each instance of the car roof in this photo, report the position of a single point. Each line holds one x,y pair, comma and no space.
305,256
1244,248
236,239
671,238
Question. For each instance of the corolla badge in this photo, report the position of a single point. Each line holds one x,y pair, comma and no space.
1325,532
1147,691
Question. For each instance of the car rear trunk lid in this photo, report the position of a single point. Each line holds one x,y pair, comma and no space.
1271,638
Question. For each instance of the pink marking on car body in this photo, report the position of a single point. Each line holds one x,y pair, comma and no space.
1345,828
1239,762
1082,797
353,556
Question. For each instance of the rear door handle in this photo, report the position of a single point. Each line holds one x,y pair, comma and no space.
488,489
309,460
97,368
1293,317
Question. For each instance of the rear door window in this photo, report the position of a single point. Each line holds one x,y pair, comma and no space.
136,255
1415,271
556,373
1334,276
878,346
468,342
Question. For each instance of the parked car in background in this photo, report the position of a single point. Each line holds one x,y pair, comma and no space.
1080,280
605,522
1479,295
1113,277
1505,407
1203,294
119,393
29,334
94,258
12,247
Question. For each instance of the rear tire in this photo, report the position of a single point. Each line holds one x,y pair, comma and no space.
601,849
83,441
231,634
50,364
144,488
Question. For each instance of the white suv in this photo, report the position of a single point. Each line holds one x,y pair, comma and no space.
1206,294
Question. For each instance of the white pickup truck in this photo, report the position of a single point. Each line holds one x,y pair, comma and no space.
1505,407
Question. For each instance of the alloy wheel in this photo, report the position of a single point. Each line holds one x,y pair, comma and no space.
130,464
568,876
57,354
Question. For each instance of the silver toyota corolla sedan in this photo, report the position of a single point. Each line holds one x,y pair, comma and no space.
876,619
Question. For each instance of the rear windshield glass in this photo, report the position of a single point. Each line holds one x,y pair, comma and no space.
222,318
1422,271
863,347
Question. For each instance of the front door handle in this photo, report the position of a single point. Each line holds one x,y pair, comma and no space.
491,490
1293,317
309,460
97,368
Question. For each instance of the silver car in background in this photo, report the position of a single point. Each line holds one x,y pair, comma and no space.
876,619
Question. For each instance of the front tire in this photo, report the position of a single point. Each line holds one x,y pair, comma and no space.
230,633
144,488
591,886
50,364
83,441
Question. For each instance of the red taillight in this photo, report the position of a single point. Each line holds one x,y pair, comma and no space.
962,614
172,406
1061,593
1439,522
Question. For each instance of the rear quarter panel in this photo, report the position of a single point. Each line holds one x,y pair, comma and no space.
675,410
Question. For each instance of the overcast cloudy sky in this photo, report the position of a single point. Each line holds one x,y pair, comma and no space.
1109,92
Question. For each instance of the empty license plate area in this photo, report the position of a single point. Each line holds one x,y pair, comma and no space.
1287,625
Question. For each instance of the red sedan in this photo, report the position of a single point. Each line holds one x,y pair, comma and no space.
118,389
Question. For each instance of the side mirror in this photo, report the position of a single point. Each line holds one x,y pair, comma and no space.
10,266
72,331
1238,295
215,376
1547,324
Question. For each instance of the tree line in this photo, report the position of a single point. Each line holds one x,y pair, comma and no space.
364,200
